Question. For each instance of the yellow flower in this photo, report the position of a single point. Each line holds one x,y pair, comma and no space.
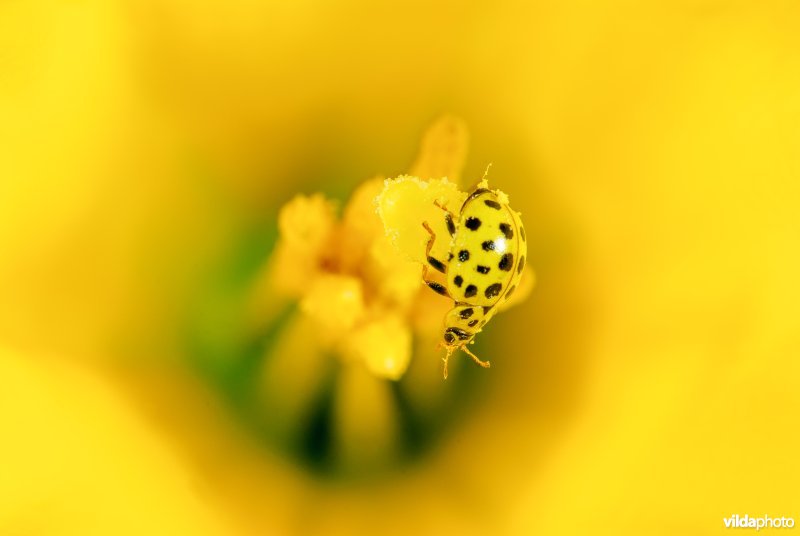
347,279
649,386
362,314
359,279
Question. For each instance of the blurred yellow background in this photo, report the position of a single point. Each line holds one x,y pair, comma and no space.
650,385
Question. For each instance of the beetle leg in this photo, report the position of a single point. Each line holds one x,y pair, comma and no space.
434,286
449,218
435,263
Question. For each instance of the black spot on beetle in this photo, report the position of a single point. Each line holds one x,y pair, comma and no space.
457,280
460,333
507,231
451,227
488,245
472,323
449,338
472,223
511,290
507,262
466,313
470,291
522,232
436,287
490,203
439,265
463,255
482,269
449,256
477,193
521,264
493,290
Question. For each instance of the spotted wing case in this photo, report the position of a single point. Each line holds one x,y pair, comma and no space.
488,251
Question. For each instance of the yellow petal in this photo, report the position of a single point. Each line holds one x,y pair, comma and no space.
335,302
306,222
394,280
365,419
70,436
361,226
443,150
306,225
292,375
361,212
383,345
406,202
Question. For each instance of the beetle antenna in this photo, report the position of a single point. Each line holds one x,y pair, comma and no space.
485,173
445,359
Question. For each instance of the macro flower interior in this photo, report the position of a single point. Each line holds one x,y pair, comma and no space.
211,322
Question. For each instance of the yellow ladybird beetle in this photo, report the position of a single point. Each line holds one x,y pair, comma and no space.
483,268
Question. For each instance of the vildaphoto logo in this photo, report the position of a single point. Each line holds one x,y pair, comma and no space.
746,522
